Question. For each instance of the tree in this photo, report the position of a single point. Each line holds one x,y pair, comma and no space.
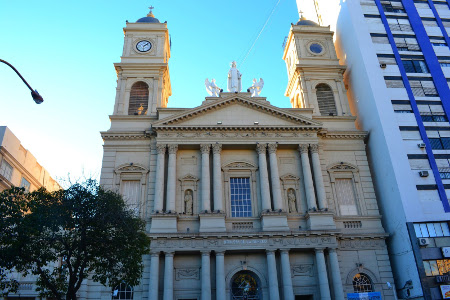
66,235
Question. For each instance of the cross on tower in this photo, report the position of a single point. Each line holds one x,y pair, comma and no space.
151,8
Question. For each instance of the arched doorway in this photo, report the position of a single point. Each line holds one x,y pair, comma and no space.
245,285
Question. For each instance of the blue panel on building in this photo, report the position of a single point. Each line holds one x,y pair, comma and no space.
364,296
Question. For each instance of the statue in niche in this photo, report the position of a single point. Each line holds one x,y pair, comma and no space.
234,79
292,201
188,203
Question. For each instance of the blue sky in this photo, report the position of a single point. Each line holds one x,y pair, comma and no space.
66,50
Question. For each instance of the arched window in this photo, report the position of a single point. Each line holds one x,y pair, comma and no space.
245,286
362,283
138,99
122,291
325,99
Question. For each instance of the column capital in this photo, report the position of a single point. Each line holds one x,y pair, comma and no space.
161,149
270,252
217,148
285,251
220,253
261,148
319,250
205,148
332,250
272,148
205,252
314,148
173,148
153,254
303,148
169,253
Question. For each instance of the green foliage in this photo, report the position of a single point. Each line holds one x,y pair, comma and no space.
65,235
7,285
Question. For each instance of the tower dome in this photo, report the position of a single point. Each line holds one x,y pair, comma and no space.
305,22
150,18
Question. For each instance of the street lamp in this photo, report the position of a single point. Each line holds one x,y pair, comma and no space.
34,93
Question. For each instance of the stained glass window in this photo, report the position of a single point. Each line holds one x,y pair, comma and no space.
362,283
245,286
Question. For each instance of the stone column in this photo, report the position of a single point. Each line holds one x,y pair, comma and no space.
206,276
322,274
263,177
288,291
336,275
205,181
159,179
168,276
220,276
154,276
307,177
275,177
171,178
273,278
318,179
217,177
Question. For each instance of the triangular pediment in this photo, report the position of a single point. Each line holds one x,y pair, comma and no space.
237,111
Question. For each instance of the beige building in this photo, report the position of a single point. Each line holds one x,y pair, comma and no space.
18,167
244,200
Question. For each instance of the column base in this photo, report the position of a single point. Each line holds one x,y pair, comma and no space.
320,220
212,222
166,223
274,221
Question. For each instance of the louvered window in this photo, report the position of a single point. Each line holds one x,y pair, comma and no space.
394,84
325,99
138,99
399,25
345,195
423,88
406,44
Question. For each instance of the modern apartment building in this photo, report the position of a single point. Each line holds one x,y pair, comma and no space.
398,59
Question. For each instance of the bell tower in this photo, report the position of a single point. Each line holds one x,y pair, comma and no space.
315,75
143,80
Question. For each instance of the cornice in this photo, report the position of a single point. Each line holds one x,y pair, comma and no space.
256,128
123,135
360,135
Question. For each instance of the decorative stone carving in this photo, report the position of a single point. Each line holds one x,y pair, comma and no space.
131,168
302,270
188,202
205,148
187,273
261,148
239,165
342,167
314,148
172,149
303,148
211,88
256,87
234,79
217,148
292,200
161,149
272,148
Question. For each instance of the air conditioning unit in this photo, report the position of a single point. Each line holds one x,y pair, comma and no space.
421,145
383,66
423,173
424,241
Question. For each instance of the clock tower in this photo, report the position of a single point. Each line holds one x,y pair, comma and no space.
315,75
143,82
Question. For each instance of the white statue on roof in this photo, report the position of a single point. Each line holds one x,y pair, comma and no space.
211,88
234,79
256,87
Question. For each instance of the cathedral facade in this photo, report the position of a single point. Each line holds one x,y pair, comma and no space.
242,199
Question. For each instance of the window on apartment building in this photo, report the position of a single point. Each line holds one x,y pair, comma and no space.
436,267
440,143
6,170
394,84
122,291
436,229
406,43
423,88
392,7
325,99
429,23
399,24
421,4
440,5
444,173
438,42
362,283
25,184
138,99
415,66
240,197
434,117
444,64
380,39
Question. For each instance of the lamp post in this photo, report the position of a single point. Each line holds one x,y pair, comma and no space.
34,93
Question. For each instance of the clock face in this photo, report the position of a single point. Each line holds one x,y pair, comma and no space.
143,46
316,48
